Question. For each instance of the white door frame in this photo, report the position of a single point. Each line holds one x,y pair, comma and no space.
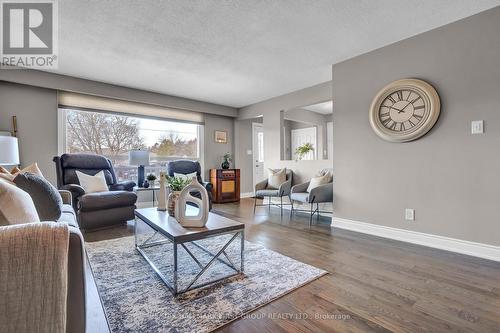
254,151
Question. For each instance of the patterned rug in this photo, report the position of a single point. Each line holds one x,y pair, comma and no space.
136,300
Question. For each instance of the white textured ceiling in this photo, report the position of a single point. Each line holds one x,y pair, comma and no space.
237,52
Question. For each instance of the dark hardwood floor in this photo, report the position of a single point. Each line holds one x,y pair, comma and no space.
374,285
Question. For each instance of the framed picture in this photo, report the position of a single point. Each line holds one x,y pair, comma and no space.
221,136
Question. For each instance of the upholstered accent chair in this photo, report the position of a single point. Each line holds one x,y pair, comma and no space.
101,209
317,195
187,167
263,190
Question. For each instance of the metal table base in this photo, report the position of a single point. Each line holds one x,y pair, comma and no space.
174,288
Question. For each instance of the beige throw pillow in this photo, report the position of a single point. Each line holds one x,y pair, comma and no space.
276,178
318,181
32,168
93,184
9,176
16,206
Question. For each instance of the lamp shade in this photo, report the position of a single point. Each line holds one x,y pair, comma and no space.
138,157
9,151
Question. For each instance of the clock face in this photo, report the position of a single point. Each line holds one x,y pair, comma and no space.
404,110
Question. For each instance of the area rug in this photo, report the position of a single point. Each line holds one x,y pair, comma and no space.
136,300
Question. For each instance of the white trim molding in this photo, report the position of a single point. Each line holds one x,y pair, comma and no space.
246,195
480,250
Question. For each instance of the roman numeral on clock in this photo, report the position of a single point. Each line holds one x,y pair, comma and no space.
419,107
414,100
386,121
400,95
391,99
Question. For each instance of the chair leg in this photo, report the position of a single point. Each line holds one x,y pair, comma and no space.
291,210
269,202
281,206
311,216
254,205
317,208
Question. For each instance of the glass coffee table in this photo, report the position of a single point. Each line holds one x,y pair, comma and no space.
158,233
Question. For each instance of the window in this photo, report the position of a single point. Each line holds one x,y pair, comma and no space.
114,135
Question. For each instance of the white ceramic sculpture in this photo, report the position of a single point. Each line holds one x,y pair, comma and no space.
162,192
197,221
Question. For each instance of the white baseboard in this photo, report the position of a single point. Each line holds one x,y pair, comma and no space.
480,250
246,195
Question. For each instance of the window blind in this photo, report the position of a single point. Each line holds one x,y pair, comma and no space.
97,103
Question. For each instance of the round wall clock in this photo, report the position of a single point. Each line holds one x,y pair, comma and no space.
404,110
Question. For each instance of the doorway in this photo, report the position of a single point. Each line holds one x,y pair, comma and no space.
258,152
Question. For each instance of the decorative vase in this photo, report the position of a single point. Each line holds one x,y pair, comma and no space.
172,199
162,193
225,164
199,220
152,183
145,184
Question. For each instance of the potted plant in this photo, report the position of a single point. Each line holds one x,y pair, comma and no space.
303,150
151,179
226,161
176,184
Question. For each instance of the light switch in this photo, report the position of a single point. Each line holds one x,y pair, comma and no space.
477,127
410,214
249,152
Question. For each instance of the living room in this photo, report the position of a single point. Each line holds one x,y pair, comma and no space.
250,166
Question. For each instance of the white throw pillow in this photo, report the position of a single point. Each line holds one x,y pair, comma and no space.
188,176
318,181
16,206
92,184
276,178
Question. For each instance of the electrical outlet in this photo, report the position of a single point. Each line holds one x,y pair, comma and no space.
477,127
410,214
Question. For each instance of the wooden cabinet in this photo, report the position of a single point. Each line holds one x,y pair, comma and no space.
226,185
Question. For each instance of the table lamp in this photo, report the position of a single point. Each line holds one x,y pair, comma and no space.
139,158
9,151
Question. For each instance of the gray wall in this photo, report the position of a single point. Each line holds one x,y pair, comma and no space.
36,111
213,150
270,109
243,161
73,84
450,177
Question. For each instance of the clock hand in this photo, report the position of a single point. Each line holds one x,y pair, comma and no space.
407,105
399,111
402,110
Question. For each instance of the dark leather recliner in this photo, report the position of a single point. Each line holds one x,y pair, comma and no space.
95,210
186,167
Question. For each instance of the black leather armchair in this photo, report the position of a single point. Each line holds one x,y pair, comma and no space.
95,210
186,167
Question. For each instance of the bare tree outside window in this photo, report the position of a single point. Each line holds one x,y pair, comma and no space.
102,134
114,136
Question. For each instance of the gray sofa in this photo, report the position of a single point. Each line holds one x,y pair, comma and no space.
95,210
76,317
